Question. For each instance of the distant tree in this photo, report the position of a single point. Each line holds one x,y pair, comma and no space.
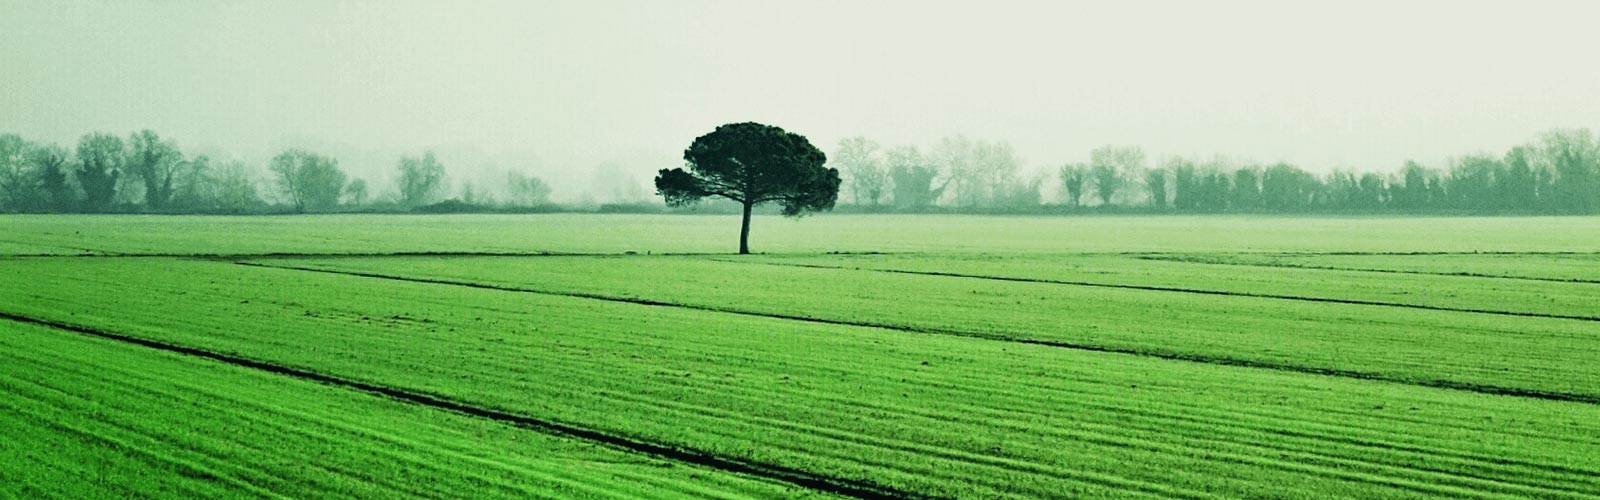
1574,156
996,165
1412,193
1107,181
868,178
1517,187
194,188
1074,182
19,180
421,180
310,182
1155,181
100,164
1342,190
751,164
1287,188
1110,166
1438,196
1246,189
1213,187
355,193
1471,183
155,162
1019,193
50,164
1185,184
1374,191
236,188
977,170
526,191
913,178
952,156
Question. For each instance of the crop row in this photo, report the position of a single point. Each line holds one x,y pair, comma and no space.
1492,353
1160,272
89,418
617,233
940,415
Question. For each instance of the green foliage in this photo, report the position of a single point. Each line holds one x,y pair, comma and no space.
355,192
50,164
913,178
1155,180
100,163
753,164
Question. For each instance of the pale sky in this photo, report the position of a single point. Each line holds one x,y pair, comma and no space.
584,92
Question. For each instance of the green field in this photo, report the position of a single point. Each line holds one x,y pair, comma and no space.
603,356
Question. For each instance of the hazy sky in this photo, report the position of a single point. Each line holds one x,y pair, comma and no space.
585,91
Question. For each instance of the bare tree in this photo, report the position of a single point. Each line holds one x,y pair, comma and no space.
236,188
421,180
526,190
356,192
857,158
310,181
1573,155
19,183
155,162
50,164
978,170
952,156
1110,166
1074,178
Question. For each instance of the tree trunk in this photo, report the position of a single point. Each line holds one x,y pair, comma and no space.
744,231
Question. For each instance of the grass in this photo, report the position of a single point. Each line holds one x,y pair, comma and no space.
1494,353
139,234
1032,357
1234,274
1576,268
90,418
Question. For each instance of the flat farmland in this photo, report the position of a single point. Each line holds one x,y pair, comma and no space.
859,356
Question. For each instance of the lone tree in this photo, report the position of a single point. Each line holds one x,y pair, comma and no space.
751,164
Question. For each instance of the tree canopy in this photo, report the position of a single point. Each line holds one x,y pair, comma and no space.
751,164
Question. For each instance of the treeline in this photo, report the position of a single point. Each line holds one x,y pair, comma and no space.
145,173
1557,173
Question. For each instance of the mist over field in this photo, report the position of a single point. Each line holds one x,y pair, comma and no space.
595,97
